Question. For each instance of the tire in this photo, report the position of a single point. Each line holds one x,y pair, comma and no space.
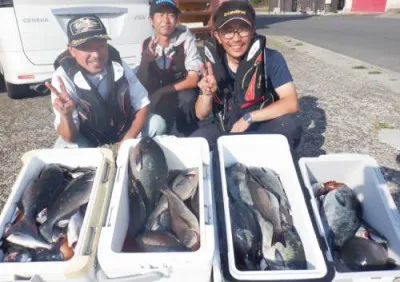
18,91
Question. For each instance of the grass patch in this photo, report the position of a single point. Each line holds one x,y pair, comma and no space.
374,72
359,67
393,79
299,44
292,48
383,125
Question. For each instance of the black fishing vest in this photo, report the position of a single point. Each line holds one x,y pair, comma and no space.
248,91
174,73
102,121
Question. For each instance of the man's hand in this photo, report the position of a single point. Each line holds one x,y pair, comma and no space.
150,54
207,84
63,103
155,97
240,126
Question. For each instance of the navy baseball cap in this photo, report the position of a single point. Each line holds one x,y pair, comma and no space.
156,5
84,28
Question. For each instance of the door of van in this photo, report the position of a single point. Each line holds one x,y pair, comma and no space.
42,25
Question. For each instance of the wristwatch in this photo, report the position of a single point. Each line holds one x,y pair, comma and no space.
247,118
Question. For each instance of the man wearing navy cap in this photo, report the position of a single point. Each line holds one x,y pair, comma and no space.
170,68
246,88
96,97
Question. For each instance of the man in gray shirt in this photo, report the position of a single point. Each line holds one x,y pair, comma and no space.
170,68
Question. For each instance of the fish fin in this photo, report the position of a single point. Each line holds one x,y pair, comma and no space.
278,237
25,226
138,162
341,200
279,259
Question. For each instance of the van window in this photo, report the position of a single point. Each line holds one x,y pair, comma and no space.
6,3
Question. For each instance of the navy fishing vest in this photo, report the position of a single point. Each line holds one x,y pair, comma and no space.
174,73
248,91
102,121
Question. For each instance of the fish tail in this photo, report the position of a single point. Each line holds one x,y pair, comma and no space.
277,236
26,225
46,230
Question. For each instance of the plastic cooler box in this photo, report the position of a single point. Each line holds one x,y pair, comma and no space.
81,266
272,151
180,153
362,174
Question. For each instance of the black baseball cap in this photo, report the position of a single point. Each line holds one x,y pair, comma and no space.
84,28
156,5
234,10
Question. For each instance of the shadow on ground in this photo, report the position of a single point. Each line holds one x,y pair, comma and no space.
313,120
264,21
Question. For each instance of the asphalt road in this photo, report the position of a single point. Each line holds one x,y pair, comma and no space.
375,40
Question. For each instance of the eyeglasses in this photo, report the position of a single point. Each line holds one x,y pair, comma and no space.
229,34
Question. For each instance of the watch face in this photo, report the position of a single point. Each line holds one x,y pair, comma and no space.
247,118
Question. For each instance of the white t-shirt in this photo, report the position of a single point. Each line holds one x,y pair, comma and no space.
138,94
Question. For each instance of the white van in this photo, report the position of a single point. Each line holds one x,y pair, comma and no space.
33,34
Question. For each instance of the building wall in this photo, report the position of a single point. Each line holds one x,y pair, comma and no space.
368,6
392,4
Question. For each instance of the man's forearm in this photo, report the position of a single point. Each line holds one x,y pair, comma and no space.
67,128
203,106
137,123
281,107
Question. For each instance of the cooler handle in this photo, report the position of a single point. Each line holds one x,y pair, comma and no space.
153,275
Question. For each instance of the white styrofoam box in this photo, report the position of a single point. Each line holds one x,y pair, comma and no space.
272,151
180,153
80,266
362,174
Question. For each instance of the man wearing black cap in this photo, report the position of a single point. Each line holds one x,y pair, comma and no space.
170,68
96,97
246,88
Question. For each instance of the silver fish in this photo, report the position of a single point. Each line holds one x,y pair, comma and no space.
185,184
269,179
341,215
74,228
183,222
28,241
268,205
156,241
153,220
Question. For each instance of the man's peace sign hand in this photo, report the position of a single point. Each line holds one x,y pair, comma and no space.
207,84
63,102
150,54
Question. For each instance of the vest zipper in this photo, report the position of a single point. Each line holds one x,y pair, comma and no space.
247,72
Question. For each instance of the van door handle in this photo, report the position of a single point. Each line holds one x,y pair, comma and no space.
89,10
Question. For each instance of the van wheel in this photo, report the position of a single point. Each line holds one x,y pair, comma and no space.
17,91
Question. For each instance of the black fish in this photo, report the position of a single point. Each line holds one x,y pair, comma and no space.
76,194
246,235
148,166
341,215
139,208
360,254
40,193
